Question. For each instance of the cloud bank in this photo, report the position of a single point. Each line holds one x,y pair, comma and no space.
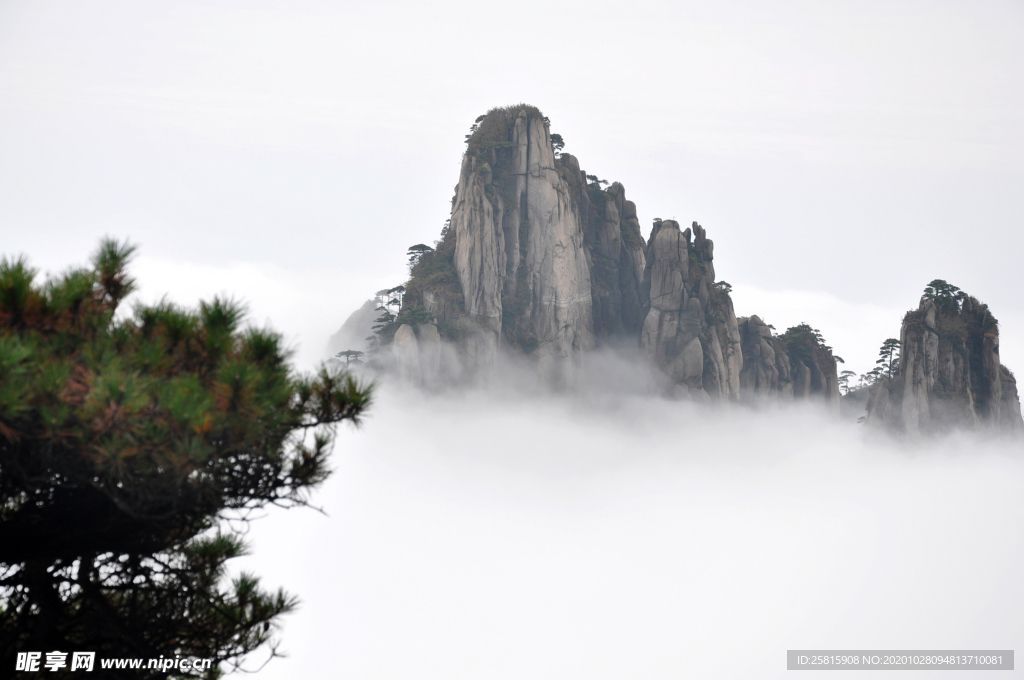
511,536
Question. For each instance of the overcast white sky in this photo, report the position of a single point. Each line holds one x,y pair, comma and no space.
840,154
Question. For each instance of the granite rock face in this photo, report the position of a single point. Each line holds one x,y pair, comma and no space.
616,257
405,349
557,278
690,330
479,243
541,259
949,374
794,365
416,351
766,369
519,252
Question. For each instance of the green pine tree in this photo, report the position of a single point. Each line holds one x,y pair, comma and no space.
889,357
124,441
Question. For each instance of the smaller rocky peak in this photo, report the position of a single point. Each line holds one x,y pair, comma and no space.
690,329
796,364
947,372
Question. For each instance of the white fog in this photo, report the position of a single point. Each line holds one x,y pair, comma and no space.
510,533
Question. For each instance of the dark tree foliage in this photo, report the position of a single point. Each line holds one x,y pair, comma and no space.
946,296
125,444
889,357
416,252
844,381
387,324
557,144
349,355
804,342
872,376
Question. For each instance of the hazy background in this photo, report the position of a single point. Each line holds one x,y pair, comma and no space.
841,155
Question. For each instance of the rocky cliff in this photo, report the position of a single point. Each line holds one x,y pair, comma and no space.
690,329
519,242
542,259
948,374
796,364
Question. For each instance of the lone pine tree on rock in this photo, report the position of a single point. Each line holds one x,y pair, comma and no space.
889,357
349,355
124,441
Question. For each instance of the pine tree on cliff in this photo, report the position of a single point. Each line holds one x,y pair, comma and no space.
943,292
349,355
844,381
888,357
416,252
124,441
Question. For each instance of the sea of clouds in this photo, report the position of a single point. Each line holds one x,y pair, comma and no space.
608,533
